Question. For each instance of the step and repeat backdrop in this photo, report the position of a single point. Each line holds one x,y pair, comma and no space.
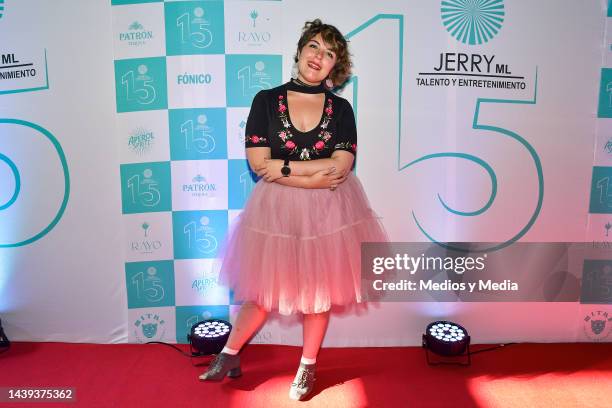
122,160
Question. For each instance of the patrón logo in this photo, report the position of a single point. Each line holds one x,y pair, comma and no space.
473,21
136,35
200,187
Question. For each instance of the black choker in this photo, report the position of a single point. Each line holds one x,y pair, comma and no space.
298,86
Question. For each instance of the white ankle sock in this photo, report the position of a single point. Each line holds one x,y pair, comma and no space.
305,360
229,351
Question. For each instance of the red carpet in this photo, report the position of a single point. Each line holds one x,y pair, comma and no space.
525,375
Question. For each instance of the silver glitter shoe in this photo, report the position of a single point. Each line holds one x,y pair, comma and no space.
223,364
303,383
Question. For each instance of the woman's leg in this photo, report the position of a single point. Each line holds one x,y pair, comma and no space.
250,318
315,325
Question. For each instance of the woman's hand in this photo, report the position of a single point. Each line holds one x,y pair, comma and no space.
271,170
326,178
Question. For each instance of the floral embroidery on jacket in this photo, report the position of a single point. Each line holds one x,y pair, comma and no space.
256,139
285,134
346,146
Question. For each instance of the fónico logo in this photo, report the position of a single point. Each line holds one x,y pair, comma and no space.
473,21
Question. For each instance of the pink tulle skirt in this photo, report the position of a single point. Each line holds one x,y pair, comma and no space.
298,250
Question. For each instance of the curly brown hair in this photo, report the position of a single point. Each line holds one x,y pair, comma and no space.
338,44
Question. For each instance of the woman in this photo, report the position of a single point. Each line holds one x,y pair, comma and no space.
296,245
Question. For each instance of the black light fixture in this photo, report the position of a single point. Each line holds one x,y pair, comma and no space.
4,341
208,337
447,339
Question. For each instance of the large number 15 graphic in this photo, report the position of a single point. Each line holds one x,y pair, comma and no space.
149,196
206,243
249,87
498,131
200,139
149,288
144,93
200,38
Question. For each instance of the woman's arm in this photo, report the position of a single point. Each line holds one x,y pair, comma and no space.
341,160
323,178
257,157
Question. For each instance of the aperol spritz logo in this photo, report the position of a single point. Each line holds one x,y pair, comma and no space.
140,141
473,22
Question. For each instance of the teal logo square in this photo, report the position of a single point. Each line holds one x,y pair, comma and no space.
609,8
187,316
240,182
145,187
248,74
194,27
198,234
198,134
140,84
601,191
149,284
605,94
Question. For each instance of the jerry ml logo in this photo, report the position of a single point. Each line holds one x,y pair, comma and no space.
254,37
140,141
136,35
472,22
145,245
16,68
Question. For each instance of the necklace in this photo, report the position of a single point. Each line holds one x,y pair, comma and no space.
297,85
300,82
